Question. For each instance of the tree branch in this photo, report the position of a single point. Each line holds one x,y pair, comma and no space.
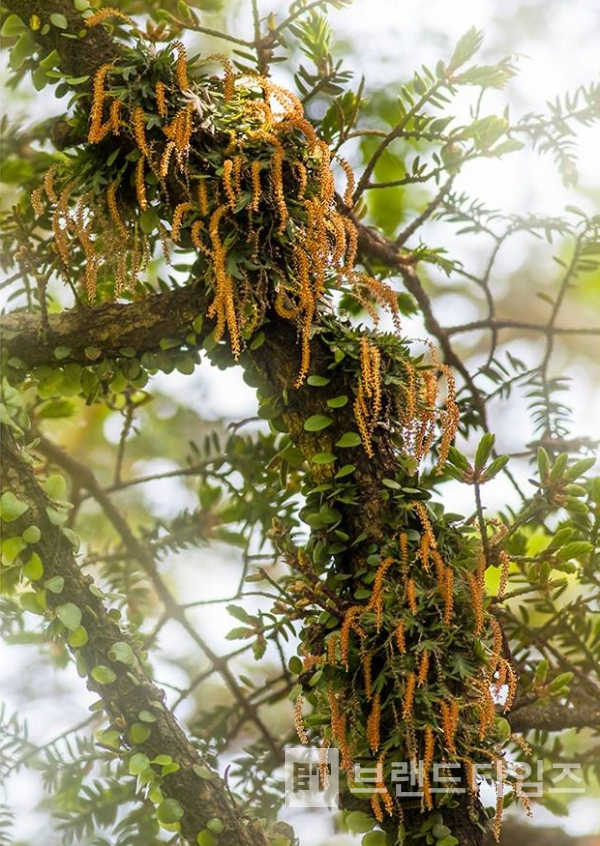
552,716
132,691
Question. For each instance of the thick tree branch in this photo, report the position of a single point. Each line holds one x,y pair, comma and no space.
110,327
552,716
132,691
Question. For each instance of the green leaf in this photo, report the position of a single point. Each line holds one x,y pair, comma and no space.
392,484
103,674
323,458
543,463
11,508
139,733
62,352
56,516
316,422
359,822
239,613
338,402
575,549
34,602
13,25
138,763
169,811
78,638
55,584
33,569
375,838
467,46
11,548
202,772
484,450
59,21
496,466
55,487
69,615
317,381
31,534
295,665
349,439
123,653
215,825
207,838
346,470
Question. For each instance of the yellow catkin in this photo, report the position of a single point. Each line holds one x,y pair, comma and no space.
349,625
181,66
376,807
165,159
310,661
512,685
332,643
409,697
376,600
299,721
113,208
497,821
48,183
352,245
448,726
256,187
361,416
374,724
36,201
228,184
115,117
138,122
477,600
277,186
448,595
302,177
140,183
97,131
403,543
504,572
203,197
428,753
423,668
338,731
223,305
178,214
367,664
103,15
179,131
229,80
497,643
428,540
450,418
339,237
411,596
399,636
349,192
61,216
323,768
161,100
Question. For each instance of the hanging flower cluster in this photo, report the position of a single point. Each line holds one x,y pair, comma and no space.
227,166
